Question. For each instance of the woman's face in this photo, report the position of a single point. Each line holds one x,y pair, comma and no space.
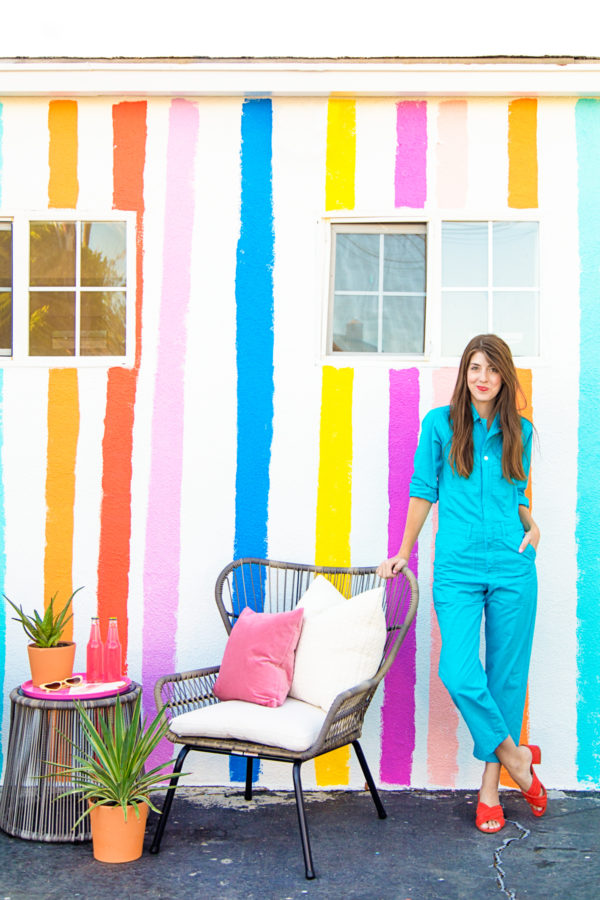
483,380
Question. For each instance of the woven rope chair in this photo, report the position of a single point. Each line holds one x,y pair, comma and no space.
265,585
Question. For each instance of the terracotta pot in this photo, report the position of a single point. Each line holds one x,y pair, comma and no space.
51,663
115,840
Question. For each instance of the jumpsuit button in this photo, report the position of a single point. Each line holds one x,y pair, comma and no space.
485,457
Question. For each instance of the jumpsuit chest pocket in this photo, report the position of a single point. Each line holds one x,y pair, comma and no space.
499,490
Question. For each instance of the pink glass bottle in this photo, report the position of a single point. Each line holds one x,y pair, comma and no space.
94,671
112,653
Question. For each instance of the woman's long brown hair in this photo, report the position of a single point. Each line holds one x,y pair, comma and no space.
506,404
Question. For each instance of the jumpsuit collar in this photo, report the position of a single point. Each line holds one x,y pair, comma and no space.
494,427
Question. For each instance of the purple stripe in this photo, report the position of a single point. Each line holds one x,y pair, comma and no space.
398,711
161,566
411,154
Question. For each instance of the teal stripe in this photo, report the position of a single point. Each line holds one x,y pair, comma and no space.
587,121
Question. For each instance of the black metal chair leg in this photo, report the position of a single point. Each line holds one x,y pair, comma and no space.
249,772
162,820
369,779
308,863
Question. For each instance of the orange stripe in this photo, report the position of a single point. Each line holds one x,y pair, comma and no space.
525,380
129,158
63,186
522,154
63,434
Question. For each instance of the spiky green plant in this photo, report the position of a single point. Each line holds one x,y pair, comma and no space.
46,630
111,771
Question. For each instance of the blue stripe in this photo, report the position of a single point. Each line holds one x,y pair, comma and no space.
587,120
254,341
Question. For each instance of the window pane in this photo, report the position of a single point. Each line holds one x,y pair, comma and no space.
356,262
103,254
52,254
515,320
464,314
355,324
404,262
52,323
102,323
5,323
515,254
5,255
464,254
403,324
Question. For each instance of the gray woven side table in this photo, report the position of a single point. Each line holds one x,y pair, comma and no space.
28,808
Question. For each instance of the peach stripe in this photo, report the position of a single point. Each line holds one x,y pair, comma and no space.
442,740
452,154
525,380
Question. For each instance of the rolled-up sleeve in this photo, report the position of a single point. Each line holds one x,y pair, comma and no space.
428,460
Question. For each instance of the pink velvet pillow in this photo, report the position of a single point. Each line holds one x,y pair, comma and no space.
258,663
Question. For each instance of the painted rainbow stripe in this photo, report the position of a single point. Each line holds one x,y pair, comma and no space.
587,125
129,156
410,181
63,392
452,154
522,154
161,563
398,711
254,342
442,733
334,489
340,162
2,507
2,559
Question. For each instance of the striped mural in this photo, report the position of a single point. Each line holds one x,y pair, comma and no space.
111,477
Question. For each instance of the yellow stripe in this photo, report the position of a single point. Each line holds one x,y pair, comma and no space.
522,154
63,186
341,154
334,507
63,433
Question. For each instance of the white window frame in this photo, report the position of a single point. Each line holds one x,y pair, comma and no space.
432,355
20,297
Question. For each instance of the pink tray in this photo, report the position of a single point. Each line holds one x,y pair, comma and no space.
81,691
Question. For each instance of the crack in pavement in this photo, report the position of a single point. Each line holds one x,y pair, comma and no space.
500,873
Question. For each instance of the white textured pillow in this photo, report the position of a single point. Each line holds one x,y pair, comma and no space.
293,725
320,596
339,647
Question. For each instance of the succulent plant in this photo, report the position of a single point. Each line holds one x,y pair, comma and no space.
46,630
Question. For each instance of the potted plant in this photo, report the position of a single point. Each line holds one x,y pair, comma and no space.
109,773
50,658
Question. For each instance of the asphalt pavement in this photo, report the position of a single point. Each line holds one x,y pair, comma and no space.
217,846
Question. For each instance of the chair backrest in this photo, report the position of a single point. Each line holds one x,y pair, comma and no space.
270,586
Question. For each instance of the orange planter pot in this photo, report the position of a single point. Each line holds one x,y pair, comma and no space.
115,840
51,663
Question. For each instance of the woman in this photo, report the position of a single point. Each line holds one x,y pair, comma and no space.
473,458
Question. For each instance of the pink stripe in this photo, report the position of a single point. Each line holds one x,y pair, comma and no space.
161,567
398,711
442,741
452,154
411,154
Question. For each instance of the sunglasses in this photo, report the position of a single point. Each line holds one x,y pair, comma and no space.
66,682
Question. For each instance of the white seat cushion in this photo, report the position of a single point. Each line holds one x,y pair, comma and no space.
294,725
341,643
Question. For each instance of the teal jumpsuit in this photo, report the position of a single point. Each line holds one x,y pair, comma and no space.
478,570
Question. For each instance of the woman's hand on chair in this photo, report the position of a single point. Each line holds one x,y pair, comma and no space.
392,566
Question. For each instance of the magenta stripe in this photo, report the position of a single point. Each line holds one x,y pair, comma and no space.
398,712
161,566
411,154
